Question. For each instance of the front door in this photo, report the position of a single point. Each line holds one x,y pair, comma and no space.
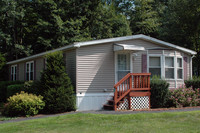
123,66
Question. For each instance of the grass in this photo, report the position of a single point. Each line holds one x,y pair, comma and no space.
90,123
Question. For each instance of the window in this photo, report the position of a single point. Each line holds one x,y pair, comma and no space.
123,65
29,70
169,67
179,68
155,66
14,72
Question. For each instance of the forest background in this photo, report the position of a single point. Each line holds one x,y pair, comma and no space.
28,27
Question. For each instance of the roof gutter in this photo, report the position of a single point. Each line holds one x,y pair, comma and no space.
41,54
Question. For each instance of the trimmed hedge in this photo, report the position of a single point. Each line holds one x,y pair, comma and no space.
3,88
194,83
13,89
159,92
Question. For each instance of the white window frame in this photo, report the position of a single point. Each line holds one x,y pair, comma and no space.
174,58
116,62
28,79
148,62
13,73
180,57
162,59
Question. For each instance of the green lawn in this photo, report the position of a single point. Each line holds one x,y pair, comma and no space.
92,123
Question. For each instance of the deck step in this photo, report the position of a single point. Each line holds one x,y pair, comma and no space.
108,107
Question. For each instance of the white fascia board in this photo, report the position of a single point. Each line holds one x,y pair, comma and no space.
117,39
140,36
169,44
40,54
119,47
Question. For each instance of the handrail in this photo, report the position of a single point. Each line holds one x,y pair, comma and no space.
132,81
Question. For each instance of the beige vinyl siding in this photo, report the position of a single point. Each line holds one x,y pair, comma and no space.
169,52
172,84
95,68
137,60
70,60
21,71
142,43
188,66
180,83
39,67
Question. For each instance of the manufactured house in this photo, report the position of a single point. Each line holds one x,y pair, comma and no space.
96,66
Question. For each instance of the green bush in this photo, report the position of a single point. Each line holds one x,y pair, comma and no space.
59,100
32,87
3,88
159,92
56,86
183,97
194,83
13,89
23,104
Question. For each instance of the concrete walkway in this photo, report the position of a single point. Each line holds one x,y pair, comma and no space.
105,112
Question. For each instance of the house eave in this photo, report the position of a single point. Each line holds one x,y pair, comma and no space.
114,40
40,54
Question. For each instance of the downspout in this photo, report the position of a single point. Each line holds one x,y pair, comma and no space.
191,65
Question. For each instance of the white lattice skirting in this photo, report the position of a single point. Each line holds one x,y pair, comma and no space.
136,103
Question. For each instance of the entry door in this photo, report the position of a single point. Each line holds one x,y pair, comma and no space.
123,65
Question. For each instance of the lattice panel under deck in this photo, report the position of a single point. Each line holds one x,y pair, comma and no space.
136,103
124,105
140,102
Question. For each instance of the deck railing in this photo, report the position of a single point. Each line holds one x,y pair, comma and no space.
131,82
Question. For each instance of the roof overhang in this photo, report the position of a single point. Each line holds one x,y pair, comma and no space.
121,47
109,40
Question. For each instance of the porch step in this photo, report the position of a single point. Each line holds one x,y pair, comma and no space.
108,107
110,104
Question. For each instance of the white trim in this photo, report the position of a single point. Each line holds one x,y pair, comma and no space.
116,62
40,54
119,47
140,36
14,72
95,94
29,70
175,63
117,39
190,67
92,101
180,67
162,58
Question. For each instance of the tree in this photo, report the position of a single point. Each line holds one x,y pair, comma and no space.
13,28
2,61
107,23
181,26
144,20
56,86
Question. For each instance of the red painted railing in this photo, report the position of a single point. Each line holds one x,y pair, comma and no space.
131,82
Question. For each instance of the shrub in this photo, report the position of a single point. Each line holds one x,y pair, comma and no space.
3,88
194,83
159,92
59,100
183,97
32,87
13,89
23,104
56,85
